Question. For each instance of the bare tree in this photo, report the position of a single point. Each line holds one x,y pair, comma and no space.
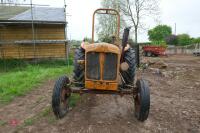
136,11
107,24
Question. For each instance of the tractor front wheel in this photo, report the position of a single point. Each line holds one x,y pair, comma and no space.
60,97
142,100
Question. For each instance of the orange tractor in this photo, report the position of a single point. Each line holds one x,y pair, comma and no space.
103,68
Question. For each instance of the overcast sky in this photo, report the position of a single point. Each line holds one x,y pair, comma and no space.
185,13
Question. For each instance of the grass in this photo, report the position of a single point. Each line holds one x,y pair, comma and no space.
18,80
17,77
28,122
9,65
73,100
2,123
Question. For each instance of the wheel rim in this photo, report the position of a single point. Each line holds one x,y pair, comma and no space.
137,104
64,100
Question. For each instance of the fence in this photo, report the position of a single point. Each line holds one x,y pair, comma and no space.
187,50
179,50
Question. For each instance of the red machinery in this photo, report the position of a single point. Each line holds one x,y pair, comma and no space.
153,51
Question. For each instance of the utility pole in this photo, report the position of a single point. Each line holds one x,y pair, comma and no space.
175,28
66,39
33,30
65,19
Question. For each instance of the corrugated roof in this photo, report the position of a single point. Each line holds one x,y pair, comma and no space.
39,14
7,12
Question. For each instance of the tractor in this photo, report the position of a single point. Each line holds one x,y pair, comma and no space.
103,68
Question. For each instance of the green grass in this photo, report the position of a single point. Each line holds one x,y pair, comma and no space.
29,122
2,123
17,77
18,80
73,100
9,65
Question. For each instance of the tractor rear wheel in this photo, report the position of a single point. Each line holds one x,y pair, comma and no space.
142,100
79,68
129,75
61,96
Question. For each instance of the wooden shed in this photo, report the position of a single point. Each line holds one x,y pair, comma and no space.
36,33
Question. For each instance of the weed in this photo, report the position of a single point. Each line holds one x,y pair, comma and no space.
29,121
46,112
74,99
3,123
51,119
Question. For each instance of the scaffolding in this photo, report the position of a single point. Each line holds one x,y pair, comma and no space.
34,41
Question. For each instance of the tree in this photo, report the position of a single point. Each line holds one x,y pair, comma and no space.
136,11
107,24
171,40
196,40
184,39
159,33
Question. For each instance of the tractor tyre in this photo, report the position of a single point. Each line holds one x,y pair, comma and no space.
129,75
79,69
61,97
144,53
149,54
142,100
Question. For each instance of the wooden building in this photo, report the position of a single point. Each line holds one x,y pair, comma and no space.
22,37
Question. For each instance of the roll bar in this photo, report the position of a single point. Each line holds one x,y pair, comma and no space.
110,12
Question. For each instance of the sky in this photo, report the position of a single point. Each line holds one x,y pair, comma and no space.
185,13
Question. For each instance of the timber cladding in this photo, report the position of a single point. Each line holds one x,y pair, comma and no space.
11,33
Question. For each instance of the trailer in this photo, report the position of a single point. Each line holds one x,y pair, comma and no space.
153,51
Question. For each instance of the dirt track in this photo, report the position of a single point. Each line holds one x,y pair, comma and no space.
175,106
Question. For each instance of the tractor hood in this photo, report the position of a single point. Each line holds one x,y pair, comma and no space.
102,47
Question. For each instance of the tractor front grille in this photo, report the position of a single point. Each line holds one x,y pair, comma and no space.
93,66
110,66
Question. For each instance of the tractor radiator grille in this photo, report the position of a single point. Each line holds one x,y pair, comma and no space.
110,66
93,66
